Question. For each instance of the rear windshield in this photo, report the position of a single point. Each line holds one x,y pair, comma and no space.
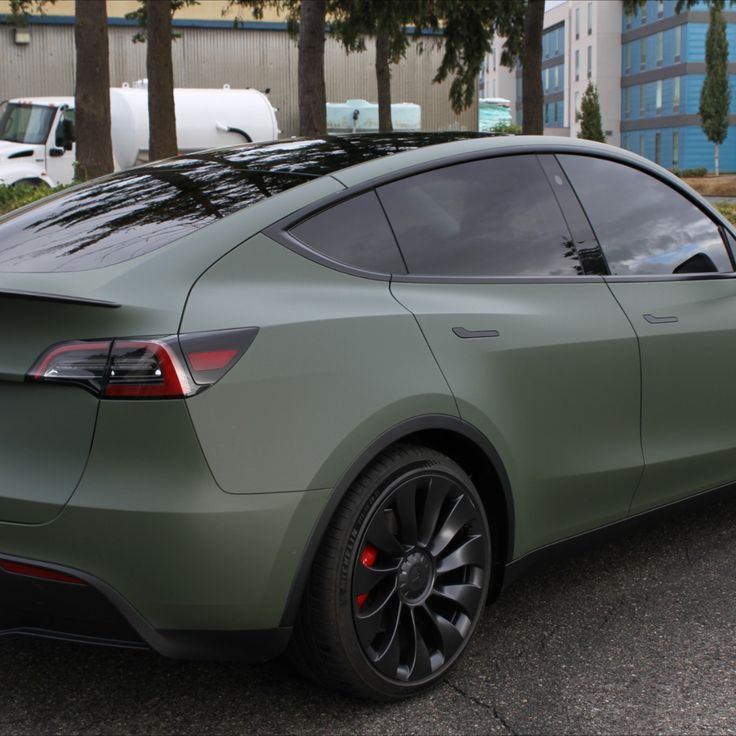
130,214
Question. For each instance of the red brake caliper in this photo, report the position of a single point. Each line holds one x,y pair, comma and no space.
367,559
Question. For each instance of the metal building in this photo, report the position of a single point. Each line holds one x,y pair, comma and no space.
210,52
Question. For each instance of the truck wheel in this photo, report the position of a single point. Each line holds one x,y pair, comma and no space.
400,579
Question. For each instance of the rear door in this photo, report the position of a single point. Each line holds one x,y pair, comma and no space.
537,352
672,273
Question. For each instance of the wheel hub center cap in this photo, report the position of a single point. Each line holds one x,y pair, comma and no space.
415,576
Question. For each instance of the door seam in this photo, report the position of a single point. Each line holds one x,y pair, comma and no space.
641,401
429,347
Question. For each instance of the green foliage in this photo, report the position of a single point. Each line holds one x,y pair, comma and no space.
506,129
140,15
21,194
690,173
591,126
715,96
354,20
21,9
465,28
728,210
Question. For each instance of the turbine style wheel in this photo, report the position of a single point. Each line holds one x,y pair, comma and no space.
400,580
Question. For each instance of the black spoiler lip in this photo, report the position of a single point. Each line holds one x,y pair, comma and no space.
62,298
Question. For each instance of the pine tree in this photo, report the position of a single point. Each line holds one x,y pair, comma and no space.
591,127
715,97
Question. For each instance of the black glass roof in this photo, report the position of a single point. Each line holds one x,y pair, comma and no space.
322,156
134,212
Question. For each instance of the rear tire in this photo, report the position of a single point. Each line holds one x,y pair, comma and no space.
400,579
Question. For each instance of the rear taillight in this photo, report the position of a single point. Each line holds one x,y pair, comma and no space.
167,367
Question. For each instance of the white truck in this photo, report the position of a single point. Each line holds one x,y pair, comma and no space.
37,141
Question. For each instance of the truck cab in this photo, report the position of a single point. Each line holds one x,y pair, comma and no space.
37,141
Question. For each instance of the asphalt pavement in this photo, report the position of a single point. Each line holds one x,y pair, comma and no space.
635,637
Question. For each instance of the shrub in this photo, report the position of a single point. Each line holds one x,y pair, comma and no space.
728,210
21,194
691,173
506,129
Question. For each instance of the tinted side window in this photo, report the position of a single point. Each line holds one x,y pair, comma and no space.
496,217
354,232
644,226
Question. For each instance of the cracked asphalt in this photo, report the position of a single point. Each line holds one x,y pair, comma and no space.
636,636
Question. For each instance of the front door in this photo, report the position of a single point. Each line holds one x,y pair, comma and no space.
672,273
61,148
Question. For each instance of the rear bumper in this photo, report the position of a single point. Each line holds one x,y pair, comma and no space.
194,572
93,613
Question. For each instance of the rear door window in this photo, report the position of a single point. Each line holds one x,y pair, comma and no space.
495,217
643,225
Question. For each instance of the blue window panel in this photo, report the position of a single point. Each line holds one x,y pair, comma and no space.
690,93
697,150
694,46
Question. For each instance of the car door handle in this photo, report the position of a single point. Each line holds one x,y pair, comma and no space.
659,320
462,332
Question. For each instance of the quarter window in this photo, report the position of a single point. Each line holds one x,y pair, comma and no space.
496,217
644,226
354,232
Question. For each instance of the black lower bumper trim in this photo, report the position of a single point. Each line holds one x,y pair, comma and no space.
95,613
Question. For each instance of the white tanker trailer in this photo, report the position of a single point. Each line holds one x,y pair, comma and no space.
37,141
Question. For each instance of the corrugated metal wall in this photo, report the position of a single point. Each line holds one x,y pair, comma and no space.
210,57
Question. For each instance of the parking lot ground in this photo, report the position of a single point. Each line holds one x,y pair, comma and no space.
637,636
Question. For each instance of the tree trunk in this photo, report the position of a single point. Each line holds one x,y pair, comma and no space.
160,70
533,96
383,81
92,90
312,94
718,163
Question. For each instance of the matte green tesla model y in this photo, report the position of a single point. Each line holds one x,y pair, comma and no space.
332,395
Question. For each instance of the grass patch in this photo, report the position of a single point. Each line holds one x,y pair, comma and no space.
713,186
16,196
728,210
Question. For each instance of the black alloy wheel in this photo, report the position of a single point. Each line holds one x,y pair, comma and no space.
400,581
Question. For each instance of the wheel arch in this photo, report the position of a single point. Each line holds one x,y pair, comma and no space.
462,442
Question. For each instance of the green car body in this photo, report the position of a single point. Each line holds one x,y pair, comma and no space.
199,519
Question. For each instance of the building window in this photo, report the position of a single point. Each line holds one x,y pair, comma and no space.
642,53
545,45
577,64
577,23
627,58
590,62
657,147
641,144
590,18
660,48
676,95
557,42
627,102
557,77
642,99
628,21
678,42
643,13
659,96
675,149
660,8
545,79
556,124
577,106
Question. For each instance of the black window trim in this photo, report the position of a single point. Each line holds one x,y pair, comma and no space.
279,230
